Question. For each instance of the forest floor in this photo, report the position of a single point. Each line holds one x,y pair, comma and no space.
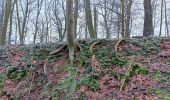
125,69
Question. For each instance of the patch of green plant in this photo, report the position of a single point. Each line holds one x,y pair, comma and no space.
15,73
163,94
102,55
47,88
117,76
165,76
142,71
157,76
150,91
53,58
168,63
118,62
83,96
1,81
41,53
150,48
85,56
91,82
70,84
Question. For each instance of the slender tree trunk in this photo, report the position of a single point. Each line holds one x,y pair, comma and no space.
8,5
1,17
89,20
160,31
76,16
70,28
95,21
106,20
11,22
148,22
39,5
166,20
24,24
128,19
123,18
18,19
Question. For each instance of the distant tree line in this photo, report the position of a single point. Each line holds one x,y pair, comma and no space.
38,21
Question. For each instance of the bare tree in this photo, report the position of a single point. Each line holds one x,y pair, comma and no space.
39,7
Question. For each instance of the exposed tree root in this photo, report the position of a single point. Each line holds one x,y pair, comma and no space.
126,75
92,46
45,66
117,44
59,50
78,47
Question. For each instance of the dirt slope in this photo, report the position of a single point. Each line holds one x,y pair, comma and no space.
122,69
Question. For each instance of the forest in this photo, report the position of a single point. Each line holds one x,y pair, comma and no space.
84,50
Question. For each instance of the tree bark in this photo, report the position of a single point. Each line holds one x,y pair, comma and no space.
76,16
160,31
128,18
166,20
8,5
89,20
123,18
70,28
148,23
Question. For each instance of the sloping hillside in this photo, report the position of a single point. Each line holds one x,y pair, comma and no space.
127,69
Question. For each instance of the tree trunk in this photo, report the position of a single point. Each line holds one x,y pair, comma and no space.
95,21
8,4
1,16
128,18
89,20
24,24
11,20
160,31
123,18
76,17
39,5
70,28
166,20
148,23
18,19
